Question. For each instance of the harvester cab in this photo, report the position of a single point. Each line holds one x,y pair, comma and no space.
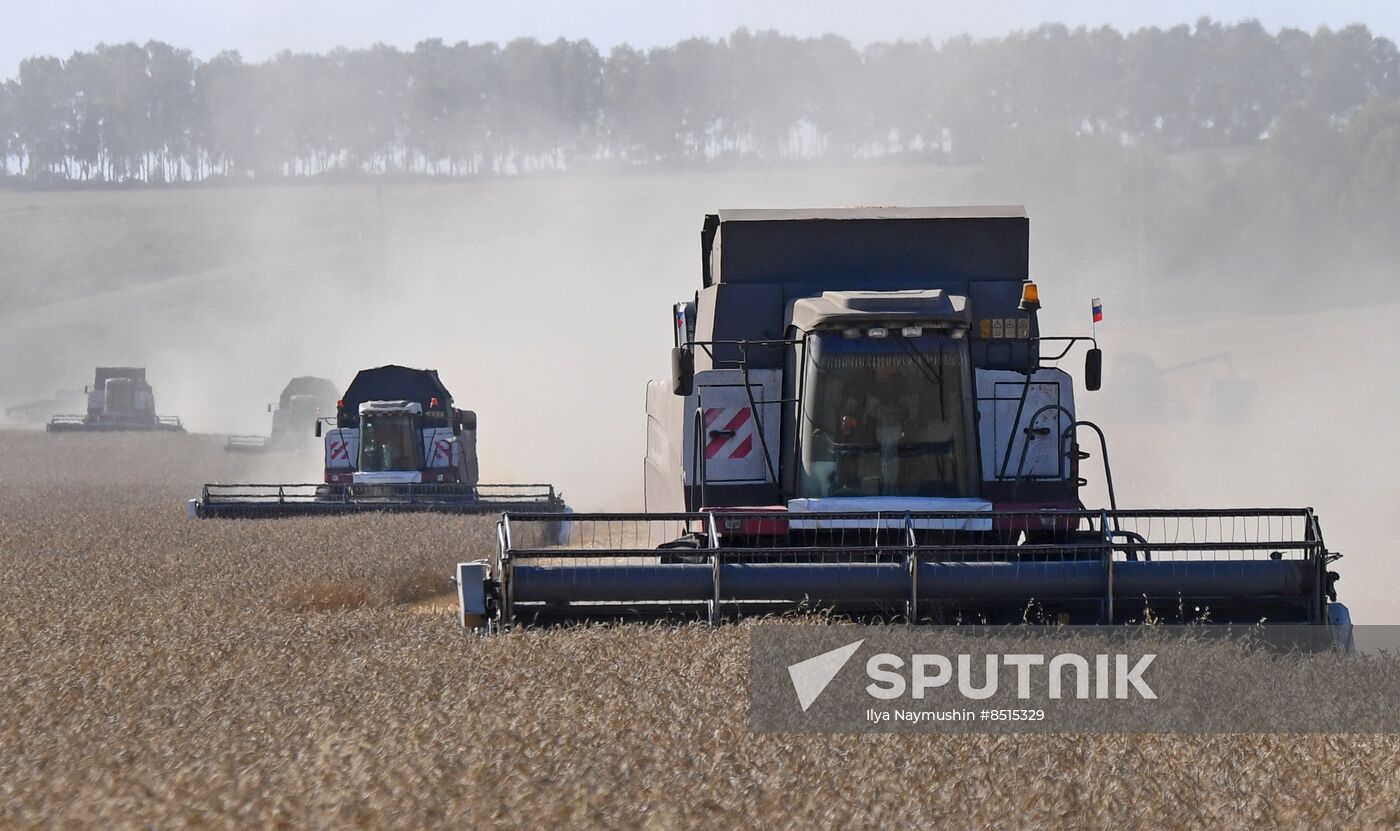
398,426
396,443
391,447
119,399
920,388
864,417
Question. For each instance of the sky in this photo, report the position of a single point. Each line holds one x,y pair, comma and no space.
261,28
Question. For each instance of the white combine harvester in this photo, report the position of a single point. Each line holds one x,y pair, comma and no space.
304,401
396,443
118,400
864,416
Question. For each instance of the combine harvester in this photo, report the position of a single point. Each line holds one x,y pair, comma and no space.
864,417
304,401
396,444
119,399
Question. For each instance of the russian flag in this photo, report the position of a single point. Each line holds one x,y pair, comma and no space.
1098,310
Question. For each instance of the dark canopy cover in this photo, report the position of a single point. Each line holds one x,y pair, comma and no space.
104,373
396,383
878,248
321,389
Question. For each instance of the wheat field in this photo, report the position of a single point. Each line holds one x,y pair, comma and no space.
157,671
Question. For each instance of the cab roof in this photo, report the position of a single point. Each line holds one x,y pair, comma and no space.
867,247
871,212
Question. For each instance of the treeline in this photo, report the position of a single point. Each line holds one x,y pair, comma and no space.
153,113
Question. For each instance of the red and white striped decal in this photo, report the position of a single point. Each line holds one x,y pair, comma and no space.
737,446
442,449
339,450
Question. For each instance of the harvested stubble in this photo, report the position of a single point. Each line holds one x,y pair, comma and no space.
158,671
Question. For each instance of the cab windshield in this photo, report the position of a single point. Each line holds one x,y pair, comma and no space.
390,441
884,417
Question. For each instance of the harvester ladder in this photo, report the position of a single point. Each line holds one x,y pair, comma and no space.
910,540
716,564
1108,565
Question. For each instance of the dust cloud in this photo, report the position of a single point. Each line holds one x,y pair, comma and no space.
545,304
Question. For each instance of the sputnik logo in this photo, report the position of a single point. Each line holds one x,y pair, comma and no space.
812,676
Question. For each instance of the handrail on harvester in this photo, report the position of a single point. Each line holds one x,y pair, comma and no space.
1282,547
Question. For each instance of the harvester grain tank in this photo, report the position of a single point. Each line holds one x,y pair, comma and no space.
397,443
864,416
119,399
304,401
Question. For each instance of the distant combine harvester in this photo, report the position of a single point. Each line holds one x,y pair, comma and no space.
119,399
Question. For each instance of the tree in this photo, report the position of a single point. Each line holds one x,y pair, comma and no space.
42,113
430,105
152,113
225,124
8,140
170,114
369,121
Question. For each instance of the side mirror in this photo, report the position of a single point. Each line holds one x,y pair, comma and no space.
1093,369
682,370
318,428
466,420
269,408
